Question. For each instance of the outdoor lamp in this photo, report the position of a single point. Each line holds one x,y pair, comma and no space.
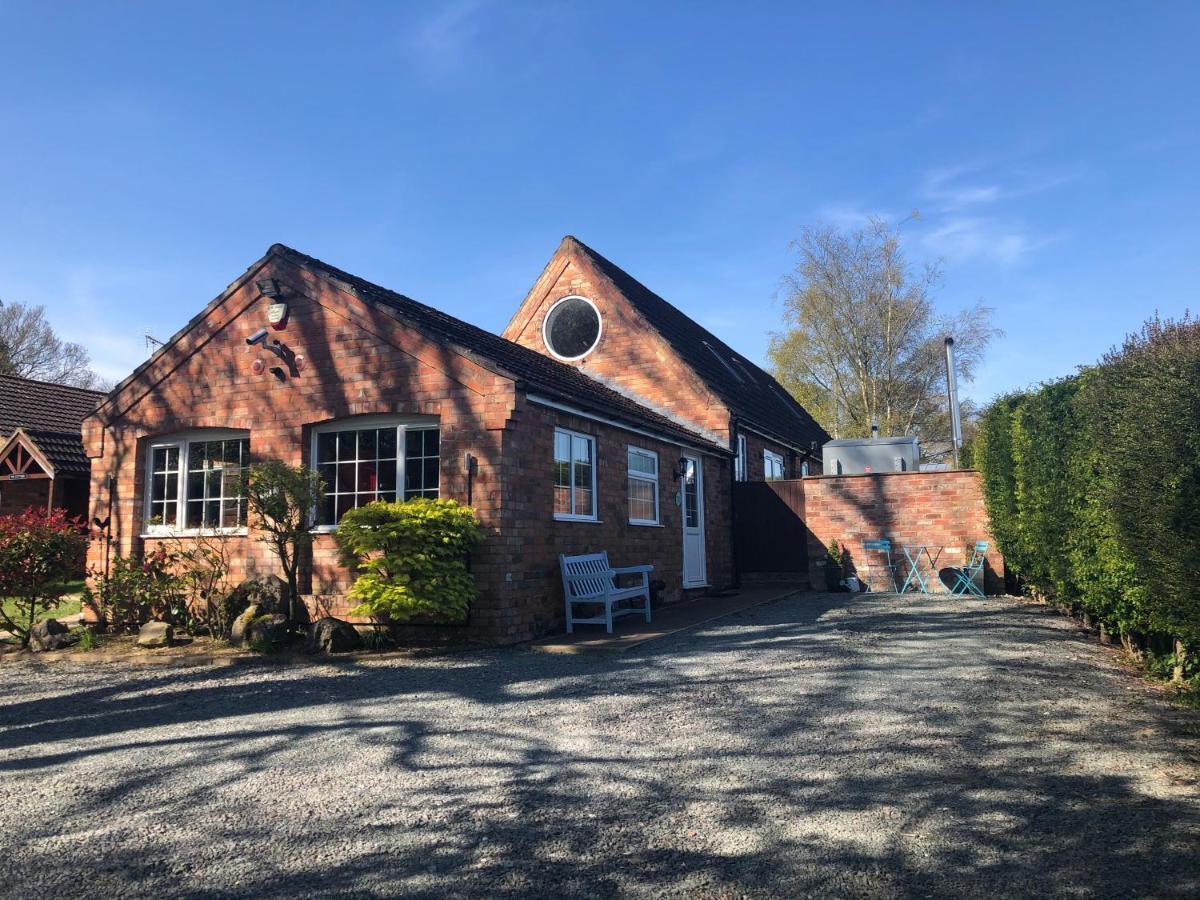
268,287
681,468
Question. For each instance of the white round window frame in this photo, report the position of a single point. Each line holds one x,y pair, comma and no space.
550,314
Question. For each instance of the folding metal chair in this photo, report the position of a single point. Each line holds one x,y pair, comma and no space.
964,578
884,547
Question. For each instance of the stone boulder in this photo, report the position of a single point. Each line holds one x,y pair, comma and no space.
268,592
330,635
270,630
51,634
155,634
237,633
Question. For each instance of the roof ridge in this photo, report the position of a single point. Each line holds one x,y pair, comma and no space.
54,384
762,402
604,261
422,315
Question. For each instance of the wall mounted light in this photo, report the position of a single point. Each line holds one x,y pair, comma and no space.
681,468
268,287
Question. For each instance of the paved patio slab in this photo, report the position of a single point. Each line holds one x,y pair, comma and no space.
633,631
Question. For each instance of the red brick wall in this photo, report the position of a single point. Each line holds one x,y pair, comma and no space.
532,538
359,360
936,508
17,496
631,355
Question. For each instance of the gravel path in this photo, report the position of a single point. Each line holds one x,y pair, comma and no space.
874,746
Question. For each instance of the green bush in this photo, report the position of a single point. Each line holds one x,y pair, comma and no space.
138,589
1092,484
411,558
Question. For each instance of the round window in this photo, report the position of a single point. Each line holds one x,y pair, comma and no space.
572,328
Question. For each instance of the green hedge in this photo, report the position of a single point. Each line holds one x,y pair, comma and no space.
1093,484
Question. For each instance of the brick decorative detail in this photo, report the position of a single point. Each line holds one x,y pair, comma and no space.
940,509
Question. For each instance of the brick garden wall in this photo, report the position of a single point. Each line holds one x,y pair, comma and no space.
936,508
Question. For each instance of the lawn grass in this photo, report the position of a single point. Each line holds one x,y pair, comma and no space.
68,606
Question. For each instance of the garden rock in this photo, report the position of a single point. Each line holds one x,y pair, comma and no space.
270,630
268,592
156,634
330,635
237,633
51,634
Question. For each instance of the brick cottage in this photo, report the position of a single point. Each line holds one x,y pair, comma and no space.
603,419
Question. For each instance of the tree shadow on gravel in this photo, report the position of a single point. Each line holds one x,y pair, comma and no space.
853,747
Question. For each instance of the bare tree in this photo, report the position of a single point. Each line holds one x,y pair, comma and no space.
863,342
29,348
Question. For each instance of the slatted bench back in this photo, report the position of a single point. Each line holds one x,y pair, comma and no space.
594,565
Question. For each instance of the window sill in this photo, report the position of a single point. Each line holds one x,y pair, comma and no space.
590,519
641,523
195,532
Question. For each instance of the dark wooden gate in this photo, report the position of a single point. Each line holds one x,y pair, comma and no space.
769,534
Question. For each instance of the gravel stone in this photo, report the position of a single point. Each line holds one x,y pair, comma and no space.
828,745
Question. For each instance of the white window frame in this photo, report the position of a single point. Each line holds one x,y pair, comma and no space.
546,329
403,425
770,456
181,442
739,461
591,439
630,451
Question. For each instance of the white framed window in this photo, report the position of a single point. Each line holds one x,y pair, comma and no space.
371,458
805,469
194,482
574,475
643,486
773,466
739,462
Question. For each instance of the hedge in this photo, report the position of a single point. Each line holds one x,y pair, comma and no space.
1092,484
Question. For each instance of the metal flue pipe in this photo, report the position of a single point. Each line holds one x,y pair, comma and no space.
952,397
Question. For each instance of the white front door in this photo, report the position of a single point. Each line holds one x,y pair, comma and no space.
695,573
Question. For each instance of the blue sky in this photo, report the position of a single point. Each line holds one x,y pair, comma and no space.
151,152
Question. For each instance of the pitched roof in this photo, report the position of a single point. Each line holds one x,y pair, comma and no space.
63,450
751,394
50,415
540,373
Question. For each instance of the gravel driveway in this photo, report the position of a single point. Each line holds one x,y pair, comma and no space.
874,746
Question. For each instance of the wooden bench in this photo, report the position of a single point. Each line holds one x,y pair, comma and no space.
589,579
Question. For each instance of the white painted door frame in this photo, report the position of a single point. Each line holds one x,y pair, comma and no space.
695,566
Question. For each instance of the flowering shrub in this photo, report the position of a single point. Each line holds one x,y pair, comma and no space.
139,589
37,550
411,558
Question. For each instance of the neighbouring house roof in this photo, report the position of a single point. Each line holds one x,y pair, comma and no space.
51,416
539,373
752,395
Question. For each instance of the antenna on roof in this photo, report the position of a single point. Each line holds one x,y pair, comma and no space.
152,343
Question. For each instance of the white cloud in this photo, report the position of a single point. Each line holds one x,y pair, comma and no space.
953,188
443,42
961,238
